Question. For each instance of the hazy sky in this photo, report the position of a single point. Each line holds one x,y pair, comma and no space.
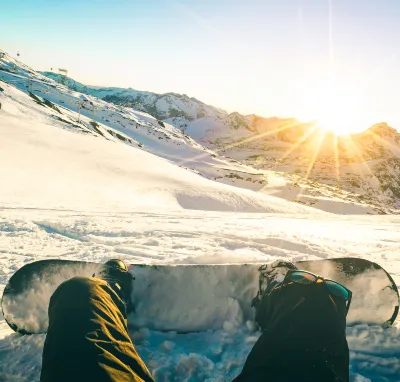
290,58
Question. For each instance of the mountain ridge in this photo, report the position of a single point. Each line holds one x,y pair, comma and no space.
299,150
365,164
129,100
235,147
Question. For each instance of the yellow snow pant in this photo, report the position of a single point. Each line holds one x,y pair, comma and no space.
88,338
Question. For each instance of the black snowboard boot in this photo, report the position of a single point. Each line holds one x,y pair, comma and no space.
116,273
271,275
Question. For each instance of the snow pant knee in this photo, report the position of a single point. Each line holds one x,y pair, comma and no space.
88,338
303,339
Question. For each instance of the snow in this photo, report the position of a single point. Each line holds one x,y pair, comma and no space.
133,128
88,173
199,237
72,193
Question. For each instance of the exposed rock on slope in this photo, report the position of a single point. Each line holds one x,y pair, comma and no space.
313,167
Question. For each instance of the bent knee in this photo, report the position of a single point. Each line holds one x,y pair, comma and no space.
77,288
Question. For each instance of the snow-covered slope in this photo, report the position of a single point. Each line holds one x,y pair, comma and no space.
161,106
358,174
135,128
363,169
65,168
90,188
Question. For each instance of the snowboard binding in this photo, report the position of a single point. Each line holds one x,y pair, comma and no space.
270,275
115,273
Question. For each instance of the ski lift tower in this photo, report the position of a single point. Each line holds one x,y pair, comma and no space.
63,75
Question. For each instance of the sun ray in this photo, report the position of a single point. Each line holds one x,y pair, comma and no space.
363,161
330,34
391,146
259,136
387,143
297,144
313,159
316,152
240,142
360,155
336,158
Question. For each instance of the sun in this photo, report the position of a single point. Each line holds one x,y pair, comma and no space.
337,107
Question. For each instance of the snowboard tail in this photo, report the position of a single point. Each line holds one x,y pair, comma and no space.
188,298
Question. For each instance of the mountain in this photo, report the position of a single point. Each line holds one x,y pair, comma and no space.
362,167
300,161
77,151
84,179
170,106
180,110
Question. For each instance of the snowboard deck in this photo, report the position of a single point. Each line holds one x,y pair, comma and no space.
190,298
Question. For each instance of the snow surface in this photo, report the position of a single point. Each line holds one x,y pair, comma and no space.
67,170
198,237
73,194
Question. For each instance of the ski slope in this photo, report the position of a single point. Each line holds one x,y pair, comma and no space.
69,192
89,115
80,171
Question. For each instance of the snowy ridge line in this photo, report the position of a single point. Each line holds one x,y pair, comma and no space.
88,127
223,136
151,134
368,163
131,177
46,81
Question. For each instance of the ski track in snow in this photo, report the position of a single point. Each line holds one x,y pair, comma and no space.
198,237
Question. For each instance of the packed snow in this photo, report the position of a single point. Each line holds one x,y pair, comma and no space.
72,193
198,237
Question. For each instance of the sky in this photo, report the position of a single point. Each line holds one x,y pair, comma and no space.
336,61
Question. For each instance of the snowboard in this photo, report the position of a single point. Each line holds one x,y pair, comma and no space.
191,298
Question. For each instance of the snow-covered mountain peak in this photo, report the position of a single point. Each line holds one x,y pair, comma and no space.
384,131
85,179
313,165
107,154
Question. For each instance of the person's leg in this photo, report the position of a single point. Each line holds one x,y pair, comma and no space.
303,337
87,338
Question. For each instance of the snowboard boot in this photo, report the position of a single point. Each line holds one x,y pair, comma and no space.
115,273
271,275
